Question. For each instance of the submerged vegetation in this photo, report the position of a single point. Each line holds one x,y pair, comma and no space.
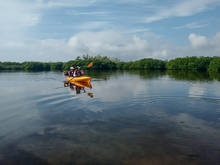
211,64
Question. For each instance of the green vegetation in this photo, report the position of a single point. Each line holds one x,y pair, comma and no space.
100,63
210,64
189,63
11,66
214,65
147,64
33,66
58,66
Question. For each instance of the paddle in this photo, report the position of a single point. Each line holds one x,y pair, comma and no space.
88,66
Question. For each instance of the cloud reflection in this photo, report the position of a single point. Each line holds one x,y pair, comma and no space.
197,90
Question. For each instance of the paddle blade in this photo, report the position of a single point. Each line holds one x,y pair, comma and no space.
90,65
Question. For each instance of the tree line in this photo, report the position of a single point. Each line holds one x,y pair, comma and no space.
211,64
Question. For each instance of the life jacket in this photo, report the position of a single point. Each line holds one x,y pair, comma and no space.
78,73
70,73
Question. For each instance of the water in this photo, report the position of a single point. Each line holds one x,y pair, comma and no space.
126,118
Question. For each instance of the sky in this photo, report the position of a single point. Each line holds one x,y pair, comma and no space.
61,30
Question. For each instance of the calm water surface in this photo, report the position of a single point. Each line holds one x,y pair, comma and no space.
137,117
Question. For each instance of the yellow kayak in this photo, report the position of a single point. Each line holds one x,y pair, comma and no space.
78,79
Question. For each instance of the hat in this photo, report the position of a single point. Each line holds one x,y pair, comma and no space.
71,67
78,67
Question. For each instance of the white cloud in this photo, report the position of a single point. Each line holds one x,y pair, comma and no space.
17,15
185,8
193,25
205,46
216,42
93,25
16,18
160,54
89,13
63,3
197,41
108,43
137,30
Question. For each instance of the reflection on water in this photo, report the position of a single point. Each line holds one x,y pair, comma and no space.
135,117
197,90
193,75
80,87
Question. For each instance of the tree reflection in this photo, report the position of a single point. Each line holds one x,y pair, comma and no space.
190,75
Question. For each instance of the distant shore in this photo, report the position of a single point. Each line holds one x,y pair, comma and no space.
211,64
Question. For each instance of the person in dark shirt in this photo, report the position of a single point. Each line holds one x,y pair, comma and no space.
71,72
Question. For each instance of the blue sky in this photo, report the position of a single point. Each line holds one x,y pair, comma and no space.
61,30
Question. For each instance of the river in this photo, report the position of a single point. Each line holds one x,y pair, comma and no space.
136,117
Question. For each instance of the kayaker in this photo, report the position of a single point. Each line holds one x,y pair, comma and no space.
71,72
78,72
